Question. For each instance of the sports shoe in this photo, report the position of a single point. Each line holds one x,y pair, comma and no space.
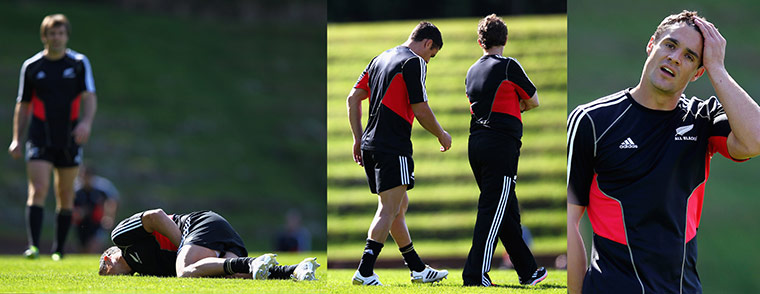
368,281
537,277
429,275
32,252
305,270
260,266
56,256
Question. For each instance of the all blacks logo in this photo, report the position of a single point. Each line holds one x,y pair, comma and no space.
681,131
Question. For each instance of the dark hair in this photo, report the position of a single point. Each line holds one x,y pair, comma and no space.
111,250
54,20
492,31
426,30
685,16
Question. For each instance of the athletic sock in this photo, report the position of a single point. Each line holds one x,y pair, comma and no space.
34,216
371,251
62,224
281,272
238,265
411,258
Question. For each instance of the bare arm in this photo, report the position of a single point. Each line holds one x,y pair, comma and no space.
576,252
109,213
89,106
742,111
157,220
428,121
529,104
21,117
354,105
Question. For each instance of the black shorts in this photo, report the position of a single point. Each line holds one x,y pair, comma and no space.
59,157
386,171
210,230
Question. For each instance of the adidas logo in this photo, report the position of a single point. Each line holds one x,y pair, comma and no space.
628,144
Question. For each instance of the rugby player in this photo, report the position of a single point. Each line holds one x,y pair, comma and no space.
394,82
52,85
498,91
638,161
197,244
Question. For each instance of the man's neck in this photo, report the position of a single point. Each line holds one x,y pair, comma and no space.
416,47
654,99
495,50
53,54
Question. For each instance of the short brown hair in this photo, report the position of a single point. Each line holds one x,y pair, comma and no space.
685,16
492,31
111,250
54,20
427,30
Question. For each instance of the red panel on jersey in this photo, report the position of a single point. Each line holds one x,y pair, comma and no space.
507,99
397,99
694,210
606,215
164,242
75,107
38,107
363,83
718,144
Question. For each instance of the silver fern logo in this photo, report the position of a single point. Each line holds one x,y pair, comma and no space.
681,131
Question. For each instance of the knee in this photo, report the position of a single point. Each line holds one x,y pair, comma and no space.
38,189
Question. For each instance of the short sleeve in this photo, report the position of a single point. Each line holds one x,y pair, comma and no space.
88,82
580,156
719,128
363,81
130,231
414,70
517,75
24,85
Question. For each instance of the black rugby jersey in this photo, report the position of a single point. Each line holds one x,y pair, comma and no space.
641,173
495,84
150,254
395,80
54,90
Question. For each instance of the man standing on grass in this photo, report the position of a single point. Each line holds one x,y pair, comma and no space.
52,85
197,244
638,161
498,90
394,82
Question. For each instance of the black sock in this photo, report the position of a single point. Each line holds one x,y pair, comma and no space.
411,258
34,216
281,272
371,251
62,224
238,265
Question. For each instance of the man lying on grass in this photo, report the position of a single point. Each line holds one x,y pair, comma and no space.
197,244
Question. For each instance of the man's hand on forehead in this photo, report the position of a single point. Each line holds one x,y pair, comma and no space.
714,47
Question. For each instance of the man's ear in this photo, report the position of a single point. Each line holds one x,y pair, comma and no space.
428,44
650,44
699,73
481,44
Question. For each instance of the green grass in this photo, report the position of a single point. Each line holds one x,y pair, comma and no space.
397,281
78,274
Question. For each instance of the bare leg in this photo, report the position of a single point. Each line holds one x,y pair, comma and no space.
195,261
389,203
64,187
38,172
399,231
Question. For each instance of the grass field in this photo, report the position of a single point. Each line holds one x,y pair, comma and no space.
397,281
79,274
444,186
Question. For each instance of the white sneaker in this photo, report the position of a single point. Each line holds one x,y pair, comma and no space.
305,270
368,281
260,266
429,275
